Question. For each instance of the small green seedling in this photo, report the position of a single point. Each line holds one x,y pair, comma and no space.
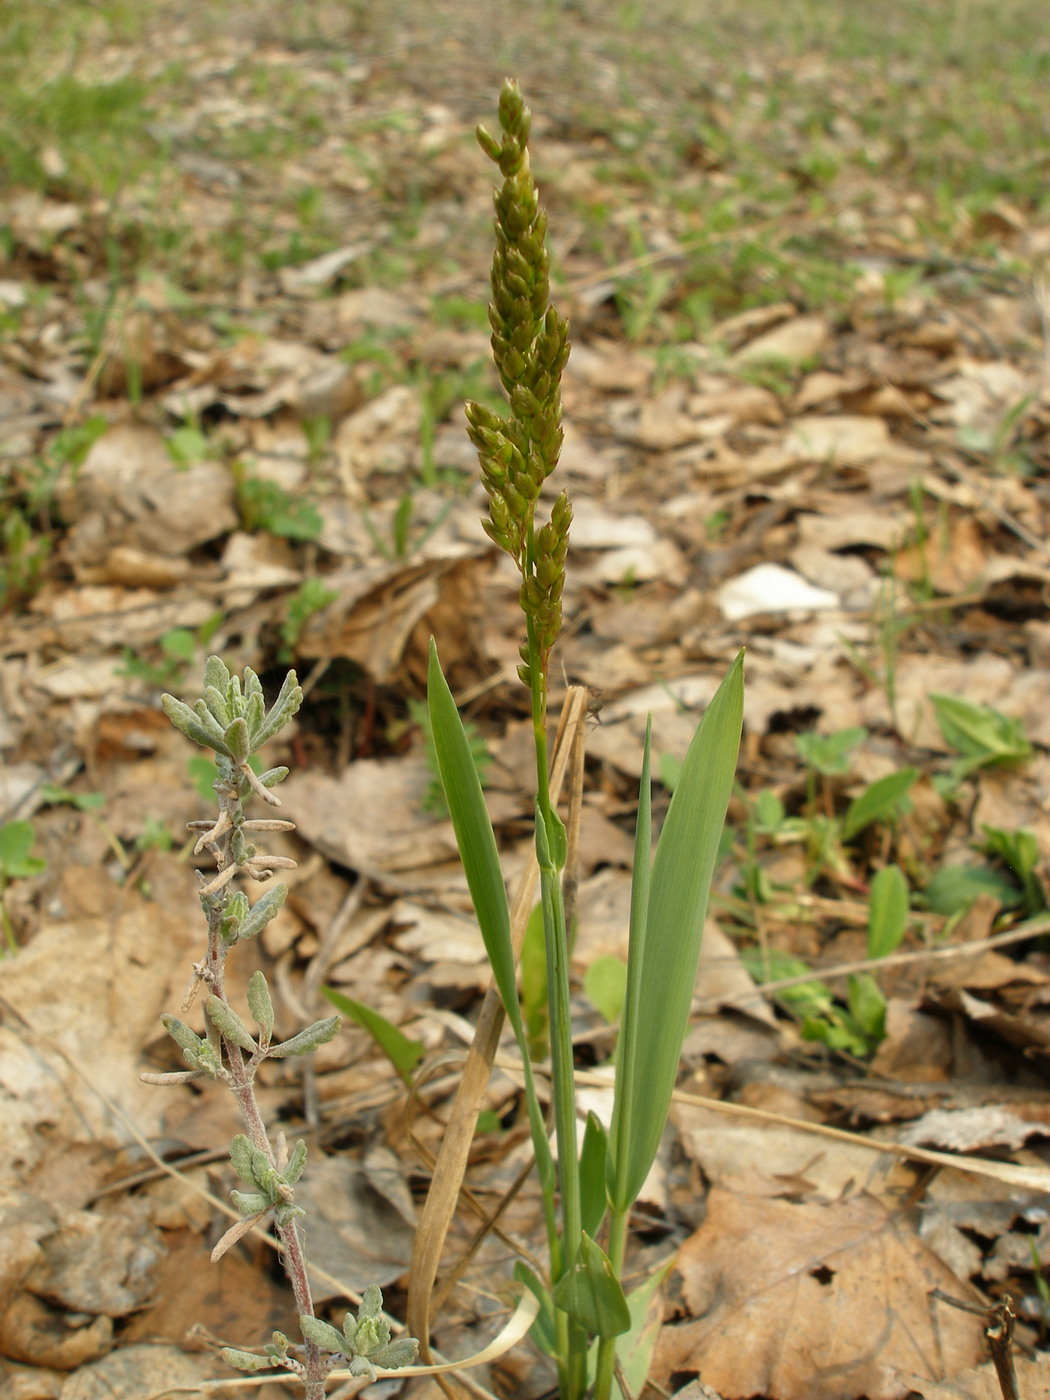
983,736
309,598
16,863
266,505
860,1025
953,888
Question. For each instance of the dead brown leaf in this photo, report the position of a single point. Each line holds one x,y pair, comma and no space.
816,1300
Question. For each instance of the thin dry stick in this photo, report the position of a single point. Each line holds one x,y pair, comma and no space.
451,1164
1013,1174
974,948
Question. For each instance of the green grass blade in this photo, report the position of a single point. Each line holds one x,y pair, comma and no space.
474,836
625,1095
660,988
404,1054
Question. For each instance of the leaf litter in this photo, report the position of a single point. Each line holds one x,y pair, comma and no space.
807,411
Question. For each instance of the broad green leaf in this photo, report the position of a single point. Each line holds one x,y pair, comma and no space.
980,732
867,1007
474,836
403,1054
887,912
829,753
591,1294
665,943
605,983
955,887
16,841
1020,851
625,1094
592,1175
880,801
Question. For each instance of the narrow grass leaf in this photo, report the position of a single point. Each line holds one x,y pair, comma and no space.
544,1330
593,1199
474,835
403,1054
660,989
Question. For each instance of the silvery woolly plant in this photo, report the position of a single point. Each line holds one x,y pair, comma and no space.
587,1191
233,721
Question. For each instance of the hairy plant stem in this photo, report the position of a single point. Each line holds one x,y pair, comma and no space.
242,1083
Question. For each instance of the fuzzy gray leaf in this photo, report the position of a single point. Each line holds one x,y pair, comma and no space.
296,1162
180,1033
262,911
250,1202
238,744
259,1002
228,1023
307,1040
283,708
187,722
216,703
246,1360
241,1151
392,1357
216,674
322,1335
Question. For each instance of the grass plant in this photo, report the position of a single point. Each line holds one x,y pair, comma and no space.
587,1193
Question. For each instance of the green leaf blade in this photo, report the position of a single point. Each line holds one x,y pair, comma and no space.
404,1054
880,801
887,912
474,836
659,995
